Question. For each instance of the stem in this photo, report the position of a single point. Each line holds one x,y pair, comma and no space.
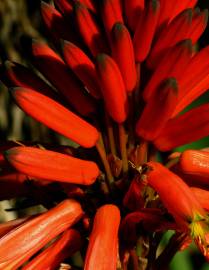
123,141
103,156
134,259
110,134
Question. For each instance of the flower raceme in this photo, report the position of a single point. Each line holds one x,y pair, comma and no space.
116,80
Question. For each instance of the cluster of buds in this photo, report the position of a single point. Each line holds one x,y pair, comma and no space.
116,79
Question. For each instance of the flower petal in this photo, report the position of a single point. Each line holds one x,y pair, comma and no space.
51,165
55,116
103,241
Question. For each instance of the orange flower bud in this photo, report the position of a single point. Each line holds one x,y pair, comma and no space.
179,200
91,35
34,234
51,165
55,116
145,30
103,241
64,6
9,225
83,67
158,110
113,88
184,129
194,162
195,80
55,23
111,13
17,75
121,42
89,4
59,75
202,196
133,9
199,23
55,254
176,31
172,65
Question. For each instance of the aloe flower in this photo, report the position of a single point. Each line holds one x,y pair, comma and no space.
115,78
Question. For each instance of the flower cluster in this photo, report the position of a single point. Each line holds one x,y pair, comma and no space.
116,79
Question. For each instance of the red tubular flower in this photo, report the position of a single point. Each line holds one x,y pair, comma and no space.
181,202
91,35
151,219
59,75
194,162
89,4
184,129
55,116
83,67
17,75
111,14
52,165
158,110
113,88
103,241
173,64
145,30
133,198
55,254
9,225
202,196
55,23
195,80
31,236
199,23
133,9
121,42
171,9
64,6
176,31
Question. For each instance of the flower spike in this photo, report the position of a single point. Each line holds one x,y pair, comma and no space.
121,42
103,241
83,67
59,167
55,116
36,233
145,30
113,88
